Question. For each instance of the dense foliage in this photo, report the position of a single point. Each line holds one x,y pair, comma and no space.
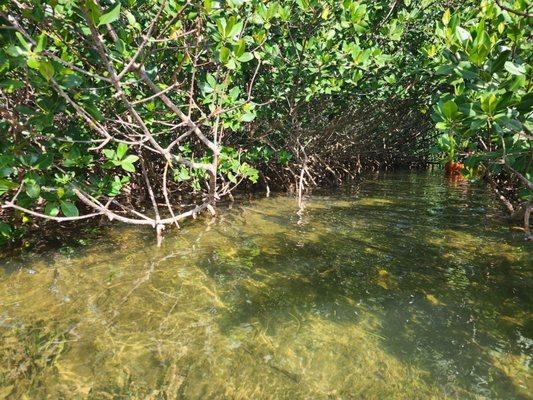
484,55
110,106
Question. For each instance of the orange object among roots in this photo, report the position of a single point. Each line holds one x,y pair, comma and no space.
453,168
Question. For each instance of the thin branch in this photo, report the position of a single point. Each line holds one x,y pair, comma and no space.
174,19
188,121
156,94
49,217
523,14
165,193
250,87
149,188
81,112
179,139
148,221
144,42
521,177
116,83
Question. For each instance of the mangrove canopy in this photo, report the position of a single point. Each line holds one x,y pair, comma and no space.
149,112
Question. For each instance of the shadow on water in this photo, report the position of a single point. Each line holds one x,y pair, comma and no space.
408,288
441,280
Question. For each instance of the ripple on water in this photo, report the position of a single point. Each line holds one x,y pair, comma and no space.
402,289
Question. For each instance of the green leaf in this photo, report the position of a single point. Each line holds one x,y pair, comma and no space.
514,69
94,10
248,117
235,29
526,103
231,64
449,109
122,148
111,16
462,34
11,85
71,80
239,49
488,103
182,175
52,209
211,81
445,70
511,124
234,93
130,159
6,185
221,26
246,57
23,41
33,190
441,126
41,43
69,209
46,69
5,229
6,171
33,62
224,54
390,79
446,17
45,161
15,51
128,167
498,63
110,154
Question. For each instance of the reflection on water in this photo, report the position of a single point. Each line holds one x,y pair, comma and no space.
406,288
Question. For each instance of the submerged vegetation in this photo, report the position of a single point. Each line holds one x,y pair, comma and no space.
148,112
403,288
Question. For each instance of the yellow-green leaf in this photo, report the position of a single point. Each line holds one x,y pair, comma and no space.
46,69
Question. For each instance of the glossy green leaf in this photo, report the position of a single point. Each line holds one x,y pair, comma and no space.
128,167
131,159
246,57
41,43
111,16
449,109
462,34
69,209
23,41
514,69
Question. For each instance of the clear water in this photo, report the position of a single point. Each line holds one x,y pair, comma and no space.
408,287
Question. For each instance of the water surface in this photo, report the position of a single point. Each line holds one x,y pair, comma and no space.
407,287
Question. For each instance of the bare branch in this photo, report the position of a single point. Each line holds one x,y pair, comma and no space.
156,95
145,41
49,217
165,193
148,221
187,120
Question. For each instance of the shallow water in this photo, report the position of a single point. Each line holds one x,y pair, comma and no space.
407,287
